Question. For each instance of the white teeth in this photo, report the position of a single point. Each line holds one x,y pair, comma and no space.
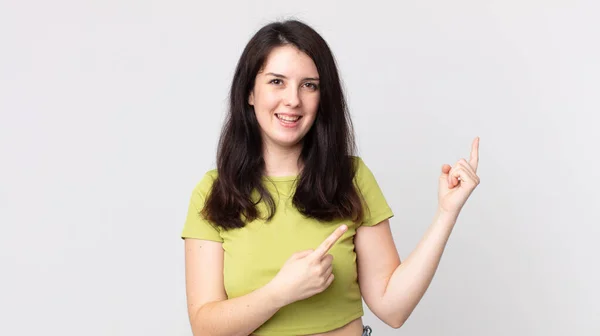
287,118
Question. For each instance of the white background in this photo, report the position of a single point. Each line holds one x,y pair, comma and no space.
110,112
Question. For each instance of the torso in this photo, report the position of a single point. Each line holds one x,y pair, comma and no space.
354,328
250,263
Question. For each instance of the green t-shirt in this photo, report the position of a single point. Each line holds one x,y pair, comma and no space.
255,253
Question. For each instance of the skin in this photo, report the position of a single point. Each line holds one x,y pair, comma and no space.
287,85
391,288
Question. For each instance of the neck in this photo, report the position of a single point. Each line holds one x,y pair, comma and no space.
282,161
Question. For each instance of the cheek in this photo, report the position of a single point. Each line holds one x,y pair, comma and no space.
311,114
267,100
310,101
313,106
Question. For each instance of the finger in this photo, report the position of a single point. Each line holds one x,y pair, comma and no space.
302,254
327,260
465,176
327,271
474,160
329,280
446,169
463,163
468,170
452,177
328,243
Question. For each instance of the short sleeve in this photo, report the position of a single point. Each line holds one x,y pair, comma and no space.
376,208
196,226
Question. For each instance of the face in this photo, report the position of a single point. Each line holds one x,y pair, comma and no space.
286,97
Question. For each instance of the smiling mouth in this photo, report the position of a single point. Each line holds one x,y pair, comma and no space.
288,119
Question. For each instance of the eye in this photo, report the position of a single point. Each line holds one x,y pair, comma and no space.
276,81
311,86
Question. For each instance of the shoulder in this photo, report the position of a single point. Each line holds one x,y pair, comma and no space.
206,182
357,162
362,171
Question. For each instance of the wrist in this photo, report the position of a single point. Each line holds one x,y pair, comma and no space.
451,215
274,295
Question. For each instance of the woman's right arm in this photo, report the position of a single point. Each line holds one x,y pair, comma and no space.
210,312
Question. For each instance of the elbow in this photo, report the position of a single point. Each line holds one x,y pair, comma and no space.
395,321
396,317
198,329
391,317
395,325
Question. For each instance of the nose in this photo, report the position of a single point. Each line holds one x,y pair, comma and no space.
292,97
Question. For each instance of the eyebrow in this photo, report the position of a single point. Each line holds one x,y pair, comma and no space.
282,76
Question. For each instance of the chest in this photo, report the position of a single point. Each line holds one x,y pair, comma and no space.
255,254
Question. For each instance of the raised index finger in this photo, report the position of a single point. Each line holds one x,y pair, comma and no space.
320,251
474,161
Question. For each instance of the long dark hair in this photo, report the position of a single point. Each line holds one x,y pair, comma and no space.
325,189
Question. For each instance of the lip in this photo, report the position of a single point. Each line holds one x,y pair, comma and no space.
288,125
289,114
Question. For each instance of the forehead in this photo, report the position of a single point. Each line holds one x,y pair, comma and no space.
290,61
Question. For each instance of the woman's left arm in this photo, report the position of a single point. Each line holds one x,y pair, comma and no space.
393,289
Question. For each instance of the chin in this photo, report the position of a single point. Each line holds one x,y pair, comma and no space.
286,142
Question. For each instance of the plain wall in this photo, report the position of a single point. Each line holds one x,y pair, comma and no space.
110,113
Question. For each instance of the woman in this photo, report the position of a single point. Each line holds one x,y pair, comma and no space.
291,231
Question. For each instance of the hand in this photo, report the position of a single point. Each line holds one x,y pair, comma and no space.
306,273
458,182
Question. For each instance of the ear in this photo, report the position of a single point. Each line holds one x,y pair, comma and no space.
251,98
